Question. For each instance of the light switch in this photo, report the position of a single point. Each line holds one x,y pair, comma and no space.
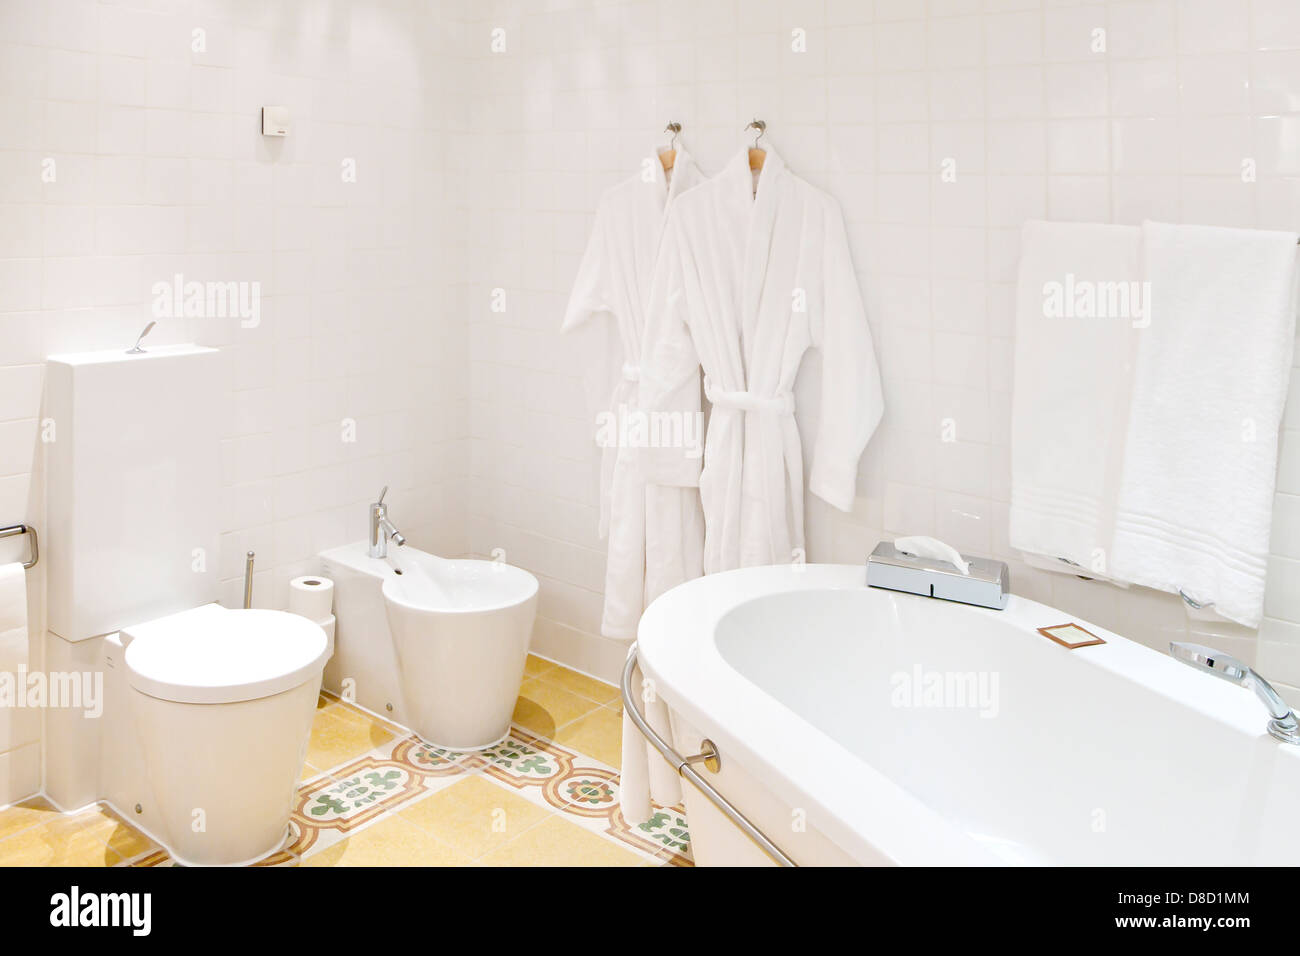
275,121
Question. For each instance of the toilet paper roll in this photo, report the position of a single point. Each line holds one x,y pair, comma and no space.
311,596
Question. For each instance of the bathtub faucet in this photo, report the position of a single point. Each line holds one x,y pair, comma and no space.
1282,723
381,529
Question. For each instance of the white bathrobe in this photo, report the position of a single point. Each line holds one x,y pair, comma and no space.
608,305
750,277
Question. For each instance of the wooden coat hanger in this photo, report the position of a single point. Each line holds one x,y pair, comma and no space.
669,156
757,155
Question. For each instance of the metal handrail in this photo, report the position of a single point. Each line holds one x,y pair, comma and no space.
25,529
683,765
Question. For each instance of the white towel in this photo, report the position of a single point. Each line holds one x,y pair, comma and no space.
1078,301
644,775
1200,461
13,618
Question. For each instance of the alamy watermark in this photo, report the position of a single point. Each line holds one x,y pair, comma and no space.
627,427
945,690
67,690
1077,298
179,299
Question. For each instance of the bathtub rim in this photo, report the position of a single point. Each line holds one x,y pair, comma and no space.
678,650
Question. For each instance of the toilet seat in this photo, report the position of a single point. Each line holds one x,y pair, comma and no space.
211,655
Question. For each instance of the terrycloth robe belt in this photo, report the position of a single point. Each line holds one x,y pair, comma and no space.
749,402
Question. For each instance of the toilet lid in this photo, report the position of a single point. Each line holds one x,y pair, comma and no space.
211,655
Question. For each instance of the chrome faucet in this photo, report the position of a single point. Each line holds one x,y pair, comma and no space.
1282,724
381,529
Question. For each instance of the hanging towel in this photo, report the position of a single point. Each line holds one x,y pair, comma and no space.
1196,499
645,776
1078,301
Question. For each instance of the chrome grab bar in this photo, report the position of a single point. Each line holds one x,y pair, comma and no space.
24,529
709,756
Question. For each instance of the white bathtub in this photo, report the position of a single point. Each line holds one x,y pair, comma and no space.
1112,754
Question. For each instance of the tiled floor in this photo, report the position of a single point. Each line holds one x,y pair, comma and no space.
375,795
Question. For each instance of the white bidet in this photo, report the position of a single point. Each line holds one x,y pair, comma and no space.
461,629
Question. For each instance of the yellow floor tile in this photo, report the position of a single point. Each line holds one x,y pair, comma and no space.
350,710
339,735
123,838
67,840
26,814
390,842
581,684
474,815
537,666
556,842
543,707
598,734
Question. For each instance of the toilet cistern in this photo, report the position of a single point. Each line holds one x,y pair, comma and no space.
1283,723
381,529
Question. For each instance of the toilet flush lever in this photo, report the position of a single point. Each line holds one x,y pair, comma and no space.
135,349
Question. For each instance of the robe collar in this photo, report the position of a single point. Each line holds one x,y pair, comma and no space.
740,178
669,188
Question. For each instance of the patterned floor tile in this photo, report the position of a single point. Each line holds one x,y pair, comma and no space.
372,793
665,833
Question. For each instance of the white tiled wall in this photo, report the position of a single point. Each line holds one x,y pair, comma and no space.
160,168
478,171
1039,122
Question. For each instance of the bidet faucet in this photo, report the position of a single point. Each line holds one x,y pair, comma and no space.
381,529
1282,723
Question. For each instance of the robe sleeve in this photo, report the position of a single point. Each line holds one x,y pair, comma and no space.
669,393
851,399
590,323
590,293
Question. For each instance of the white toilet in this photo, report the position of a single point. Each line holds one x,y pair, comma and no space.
223,702
207,711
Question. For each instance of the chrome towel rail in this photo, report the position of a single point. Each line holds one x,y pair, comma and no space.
14,529
709,756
